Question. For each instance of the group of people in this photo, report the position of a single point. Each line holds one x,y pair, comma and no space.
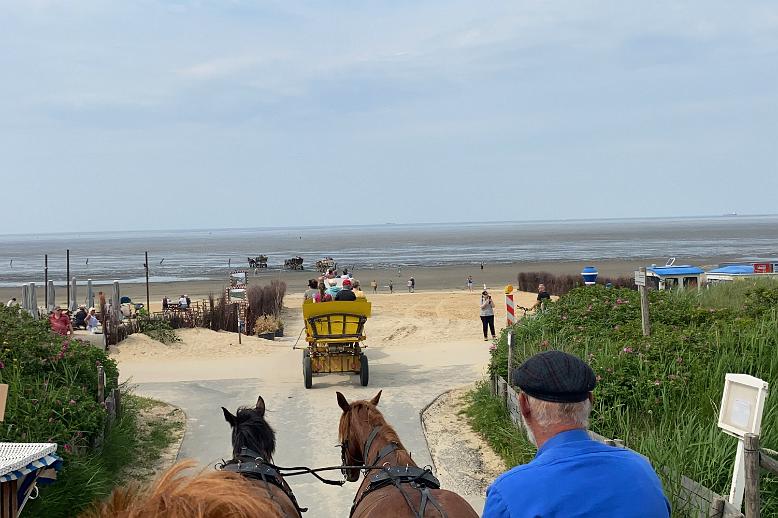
328,287
61,323
184,303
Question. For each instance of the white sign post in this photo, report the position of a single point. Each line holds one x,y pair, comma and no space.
640,278
742,405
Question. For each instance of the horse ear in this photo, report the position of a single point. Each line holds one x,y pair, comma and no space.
229,417
342,403
374,401
260,406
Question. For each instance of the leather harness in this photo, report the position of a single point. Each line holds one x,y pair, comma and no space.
420,479
250,464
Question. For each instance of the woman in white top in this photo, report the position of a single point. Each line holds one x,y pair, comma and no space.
487,313
91,321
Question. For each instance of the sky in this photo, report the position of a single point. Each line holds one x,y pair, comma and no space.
149,114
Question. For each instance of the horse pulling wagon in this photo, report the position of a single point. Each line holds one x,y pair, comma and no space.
334,332
294,263
326,264
259,261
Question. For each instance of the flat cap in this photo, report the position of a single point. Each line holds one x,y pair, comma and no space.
555,376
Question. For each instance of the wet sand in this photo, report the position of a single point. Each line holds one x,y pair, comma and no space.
494,276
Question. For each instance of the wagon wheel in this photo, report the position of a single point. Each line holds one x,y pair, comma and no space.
364,371
307,373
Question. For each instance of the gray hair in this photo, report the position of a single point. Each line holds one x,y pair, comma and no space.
547,413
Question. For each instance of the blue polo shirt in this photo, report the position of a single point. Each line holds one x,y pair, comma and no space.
574,475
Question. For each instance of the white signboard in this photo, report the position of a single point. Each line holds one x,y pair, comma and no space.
742,404
640,278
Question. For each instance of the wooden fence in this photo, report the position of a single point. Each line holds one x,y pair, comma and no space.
112,403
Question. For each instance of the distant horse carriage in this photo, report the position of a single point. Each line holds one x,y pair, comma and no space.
326,264
294,263
258,262
334,333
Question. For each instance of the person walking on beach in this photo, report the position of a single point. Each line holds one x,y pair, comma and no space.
487,314
391,287
410,285
182,303
571,474
374,285
11,303
469,283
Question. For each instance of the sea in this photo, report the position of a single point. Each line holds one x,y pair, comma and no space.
185,255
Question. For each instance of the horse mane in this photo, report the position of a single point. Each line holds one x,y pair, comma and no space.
252,431
208,494
374,418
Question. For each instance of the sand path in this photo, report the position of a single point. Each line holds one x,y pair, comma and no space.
419,345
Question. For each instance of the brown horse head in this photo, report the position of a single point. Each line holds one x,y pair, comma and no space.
355,423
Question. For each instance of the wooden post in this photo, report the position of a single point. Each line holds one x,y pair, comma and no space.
148,300
751,457
494,385
502,391
644,306
46,280
511,346
67,275
117,401
100,384
110,408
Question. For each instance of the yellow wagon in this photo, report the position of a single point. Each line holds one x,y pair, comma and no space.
334,332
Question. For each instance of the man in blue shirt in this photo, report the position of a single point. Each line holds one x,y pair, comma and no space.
571,474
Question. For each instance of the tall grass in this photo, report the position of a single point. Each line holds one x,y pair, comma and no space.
661,394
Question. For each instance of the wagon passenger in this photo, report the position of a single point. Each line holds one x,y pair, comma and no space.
313,285
346,293
333,289
571,474
357,290
321,295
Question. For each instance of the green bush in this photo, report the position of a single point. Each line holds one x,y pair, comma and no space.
158,329
52,395
661,393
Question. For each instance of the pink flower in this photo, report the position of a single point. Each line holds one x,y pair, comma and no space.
2,365
72,402
544,344
68,448
657,382
51,419
492,347
679,360
564,317
616,327
627,350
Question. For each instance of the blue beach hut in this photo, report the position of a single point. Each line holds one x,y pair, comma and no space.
670,277
734,272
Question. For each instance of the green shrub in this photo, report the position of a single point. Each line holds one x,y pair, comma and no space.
158,329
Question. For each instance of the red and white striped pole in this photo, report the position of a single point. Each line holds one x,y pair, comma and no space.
510,307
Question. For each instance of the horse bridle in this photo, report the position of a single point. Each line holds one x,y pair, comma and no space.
421,479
